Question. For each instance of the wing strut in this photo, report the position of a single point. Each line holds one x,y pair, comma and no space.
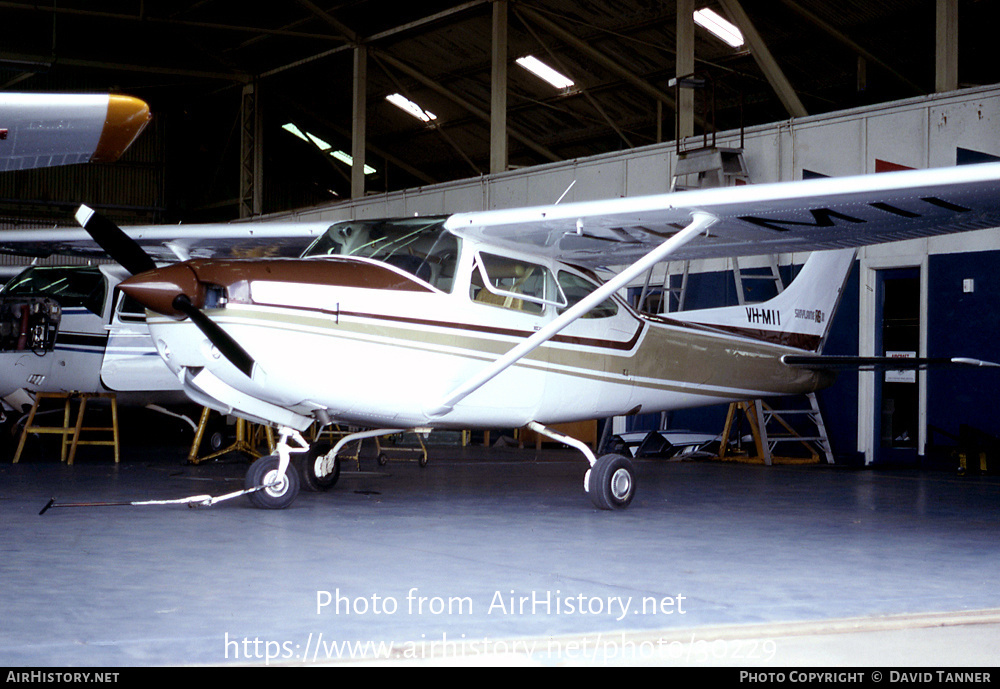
700,222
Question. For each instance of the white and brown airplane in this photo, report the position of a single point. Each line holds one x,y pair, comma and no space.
496,318
50,129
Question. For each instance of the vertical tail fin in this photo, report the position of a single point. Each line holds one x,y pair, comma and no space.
799,316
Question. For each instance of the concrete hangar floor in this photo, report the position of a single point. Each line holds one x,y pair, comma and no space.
496,556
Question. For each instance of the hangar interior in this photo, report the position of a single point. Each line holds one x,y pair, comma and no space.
274,112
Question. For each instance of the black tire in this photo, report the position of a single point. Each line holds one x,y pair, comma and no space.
612,482
306,463
383,459
276,497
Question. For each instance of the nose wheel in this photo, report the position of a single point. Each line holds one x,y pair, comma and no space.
279,487
269,483
611,482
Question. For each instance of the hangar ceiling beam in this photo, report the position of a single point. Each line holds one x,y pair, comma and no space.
47,61
384,155
594,54
852,46
251,158
342,29
585,91
498,90
417,23
149,19
359,114
440,131
765,60
684,67
429,19
463,103
946,46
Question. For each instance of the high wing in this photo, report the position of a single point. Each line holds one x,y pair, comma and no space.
168,243
49,129
808,215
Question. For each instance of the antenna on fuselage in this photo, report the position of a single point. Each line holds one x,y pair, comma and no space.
565,192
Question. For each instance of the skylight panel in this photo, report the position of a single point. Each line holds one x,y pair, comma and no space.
324,146
349,160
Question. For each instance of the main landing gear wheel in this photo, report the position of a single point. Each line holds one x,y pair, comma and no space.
264,472
312,465
611,482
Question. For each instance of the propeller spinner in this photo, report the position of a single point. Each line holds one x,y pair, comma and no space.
172,290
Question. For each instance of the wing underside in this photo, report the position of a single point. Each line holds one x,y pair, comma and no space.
809,215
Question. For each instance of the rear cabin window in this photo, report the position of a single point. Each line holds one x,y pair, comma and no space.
576,288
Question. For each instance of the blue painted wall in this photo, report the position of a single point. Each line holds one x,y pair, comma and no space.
964,324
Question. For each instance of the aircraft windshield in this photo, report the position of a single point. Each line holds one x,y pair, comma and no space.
420,246
70,286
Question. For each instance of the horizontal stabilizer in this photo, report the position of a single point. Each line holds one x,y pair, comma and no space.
880,363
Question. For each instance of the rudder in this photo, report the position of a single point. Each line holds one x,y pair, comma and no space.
799,316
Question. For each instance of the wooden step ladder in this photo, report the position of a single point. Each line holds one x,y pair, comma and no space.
770,428
71,433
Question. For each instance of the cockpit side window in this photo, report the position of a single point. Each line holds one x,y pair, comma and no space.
513,284
576,288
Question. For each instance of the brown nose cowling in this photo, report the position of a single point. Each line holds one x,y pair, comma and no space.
157,289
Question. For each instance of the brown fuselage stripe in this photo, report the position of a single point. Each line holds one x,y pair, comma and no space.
506,332
332,271
797,340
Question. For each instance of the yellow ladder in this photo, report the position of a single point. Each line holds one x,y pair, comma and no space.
71,433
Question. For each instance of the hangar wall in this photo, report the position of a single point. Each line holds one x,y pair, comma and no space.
958,127
930,131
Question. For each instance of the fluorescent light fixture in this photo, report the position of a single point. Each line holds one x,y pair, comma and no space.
410,108
347,158
543,71
718,27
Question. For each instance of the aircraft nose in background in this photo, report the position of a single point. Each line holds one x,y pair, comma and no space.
157,289
126,118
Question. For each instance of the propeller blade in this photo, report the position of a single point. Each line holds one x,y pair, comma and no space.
122,248
127,252
222,340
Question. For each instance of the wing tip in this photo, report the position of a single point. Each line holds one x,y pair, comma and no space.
127,117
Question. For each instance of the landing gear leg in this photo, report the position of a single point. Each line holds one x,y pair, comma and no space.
610,481
320,468
276,486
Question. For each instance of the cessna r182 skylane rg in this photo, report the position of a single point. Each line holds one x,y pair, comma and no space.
495,318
